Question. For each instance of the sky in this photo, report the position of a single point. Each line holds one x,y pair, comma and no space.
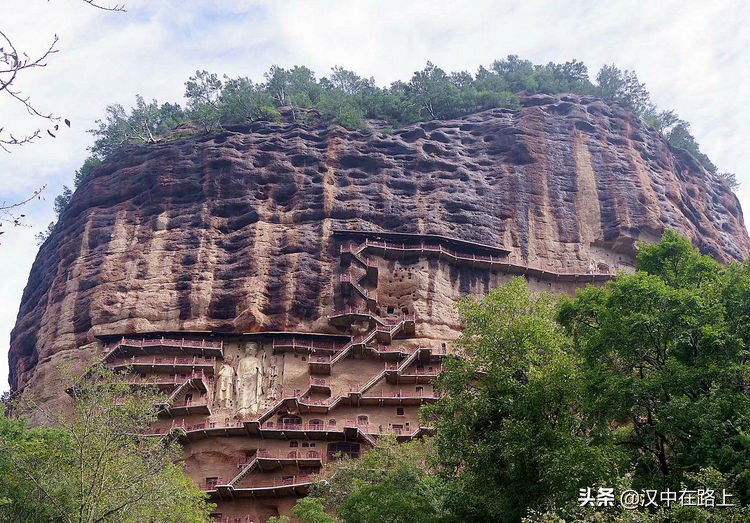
690,54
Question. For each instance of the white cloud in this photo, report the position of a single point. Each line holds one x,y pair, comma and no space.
691,54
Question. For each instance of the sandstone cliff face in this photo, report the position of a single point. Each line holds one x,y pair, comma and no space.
234,232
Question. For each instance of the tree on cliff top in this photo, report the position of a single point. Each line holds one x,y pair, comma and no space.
347,99
94,465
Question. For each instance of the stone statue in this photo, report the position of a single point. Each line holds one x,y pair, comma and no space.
249,381
225,386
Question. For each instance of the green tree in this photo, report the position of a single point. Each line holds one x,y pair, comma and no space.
434,93
679,136
28,462
569,77
243,101
101,468
664,361
306,510
303,90
730,179
85,170
390,482
615,85
62,201
348,82
142,124
203,92
516,74
510,432
344,98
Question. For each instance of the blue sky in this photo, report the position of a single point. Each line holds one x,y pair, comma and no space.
691,55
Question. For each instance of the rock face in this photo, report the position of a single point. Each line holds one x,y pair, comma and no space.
243,236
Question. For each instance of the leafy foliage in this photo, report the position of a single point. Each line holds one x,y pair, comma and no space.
62,201
142,124
203,92
391,482
665,358
85,170
511,433
94,466
347,99
306,510
642,383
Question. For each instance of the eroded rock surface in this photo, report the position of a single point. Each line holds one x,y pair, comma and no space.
234,231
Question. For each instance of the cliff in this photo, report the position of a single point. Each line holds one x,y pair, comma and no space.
233,231
329,261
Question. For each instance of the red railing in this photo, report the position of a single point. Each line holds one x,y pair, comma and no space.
282,481
169,342
401,394
391,348
359,312
355,251
416,371
294,342
211,485
233,519
408,431
215,425
292,454
501,260
157,430
201,402
207,425
162,360
429,371
169,379
293,426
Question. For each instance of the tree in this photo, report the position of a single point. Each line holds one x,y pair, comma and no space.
510,432
570,77
348,82
42,236
615,85
142,124
665,360
307,510
433,92
89,164
679,136
203,92
391,482
277,83
730,179
13,63
22,450
98,467
62,201
243,101
517,74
